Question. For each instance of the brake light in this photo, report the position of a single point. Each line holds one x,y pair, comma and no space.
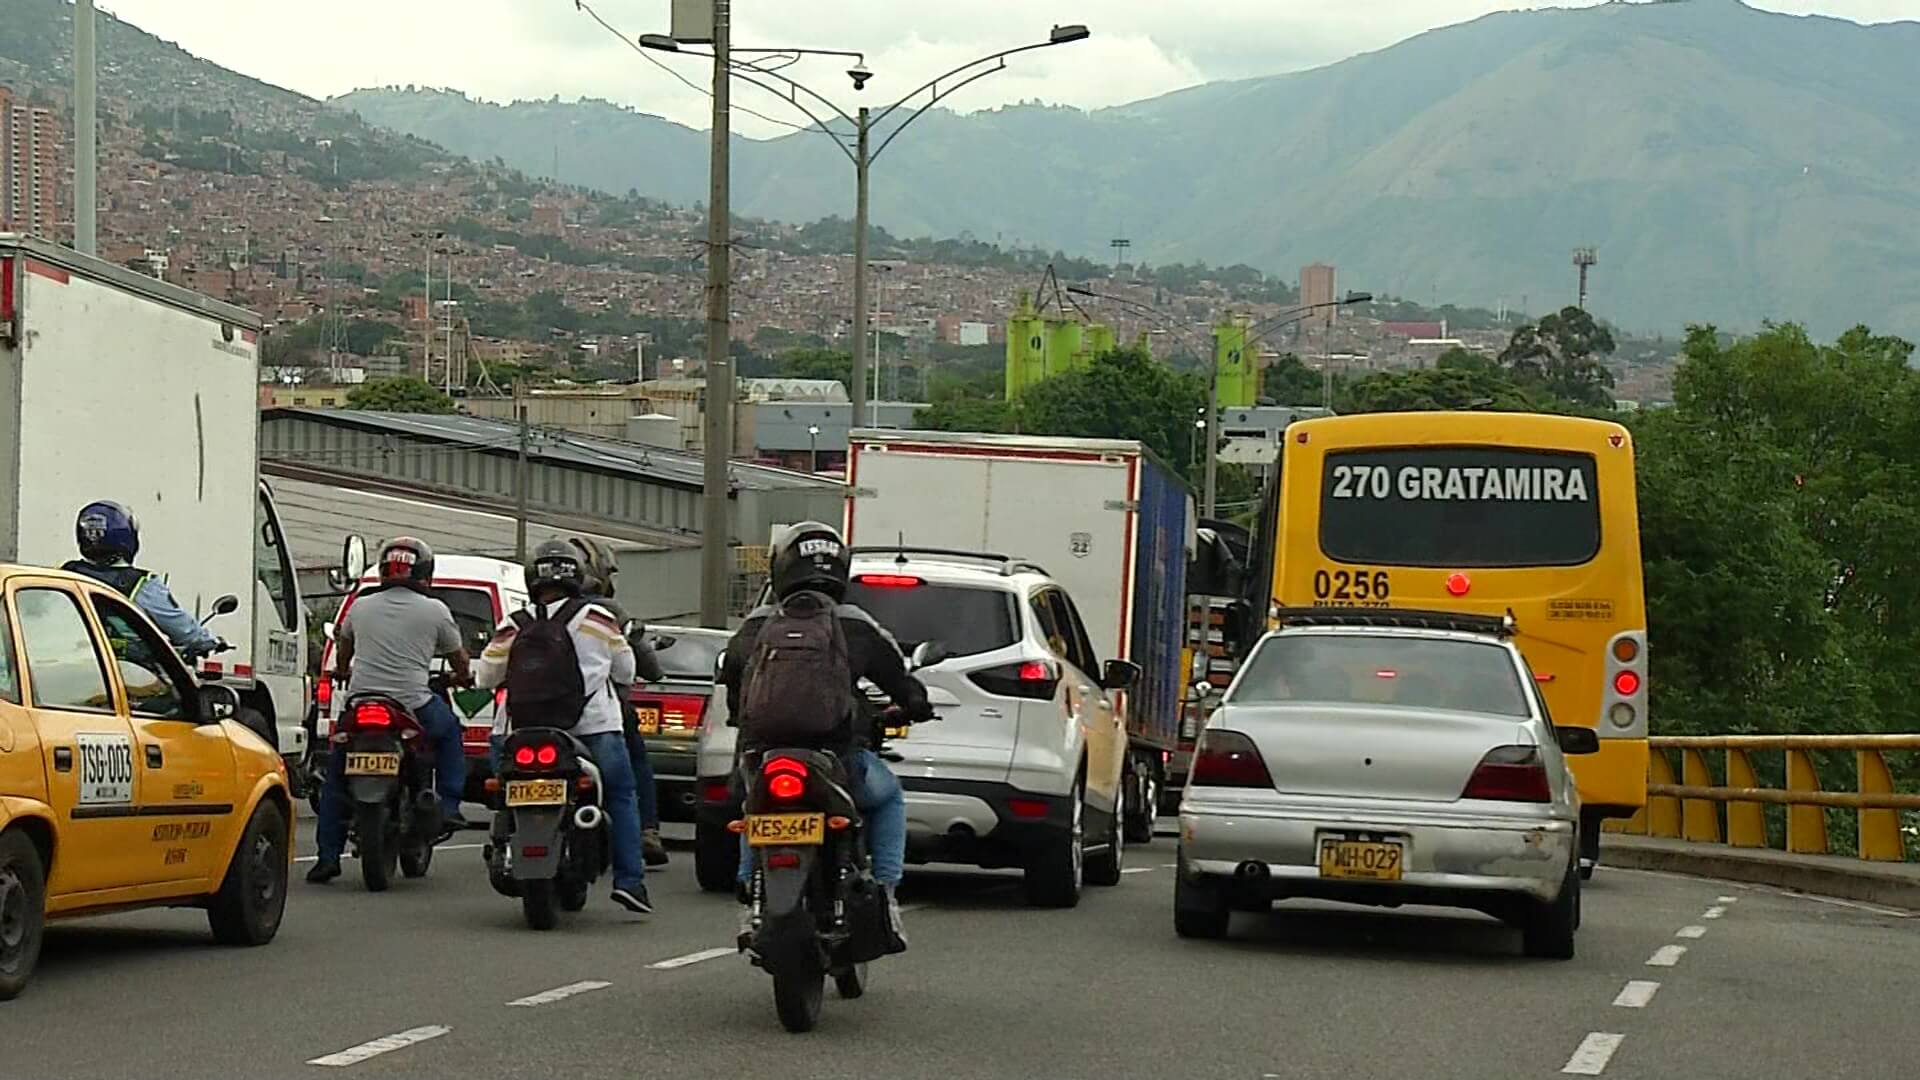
1228,759
372,714
1510,774
523,757
681,711
1386,673
775,766
1459,584
547,754
475,735
786,787
783,860
1626,683
1030,679
890,581
323,694
1028,808
714,791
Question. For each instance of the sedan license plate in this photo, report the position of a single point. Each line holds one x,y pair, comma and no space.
767,830
373,764
536,792
1362,860
649,718
898,732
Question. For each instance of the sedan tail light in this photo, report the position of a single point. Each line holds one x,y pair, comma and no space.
1228,759
678,712
1035,679
1510,774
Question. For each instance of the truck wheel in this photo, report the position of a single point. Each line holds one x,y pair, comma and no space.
23,911
253,896
716,858
1054,876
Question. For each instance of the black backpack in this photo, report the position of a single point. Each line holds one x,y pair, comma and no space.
544,685
799,680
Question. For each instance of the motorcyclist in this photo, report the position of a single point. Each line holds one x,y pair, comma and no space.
602,572
555,575
812,558
109,538
385,643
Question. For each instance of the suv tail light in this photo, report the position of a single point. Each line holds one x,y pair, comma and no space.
1228,759
1028,679
1510,774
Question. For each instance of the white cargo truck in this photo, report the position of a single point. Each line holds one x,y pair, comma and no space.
116,385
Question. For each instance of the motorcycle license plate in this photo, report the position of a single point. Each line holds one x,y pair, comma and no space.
373,764
769,830
536,792
897,732
649,718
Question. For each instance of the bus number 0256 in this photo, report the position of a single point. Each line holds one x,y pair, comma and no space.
1351,586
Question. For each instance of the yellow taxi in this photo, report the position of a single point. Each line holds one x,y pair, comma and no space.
123,782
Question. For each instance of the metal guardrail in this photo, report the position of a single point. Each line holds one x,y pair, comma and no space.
1690,808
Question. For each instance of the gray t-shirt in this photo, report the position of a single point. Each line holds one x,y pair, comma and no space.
395,634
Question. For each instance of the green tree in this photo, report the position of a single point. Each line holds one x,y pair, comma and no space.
408,395
1431,389
1561,354
1290,382
1124,394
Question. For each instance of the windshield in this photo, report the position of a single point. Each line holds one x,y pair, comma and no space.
472,613
1365,669
691,656
968,621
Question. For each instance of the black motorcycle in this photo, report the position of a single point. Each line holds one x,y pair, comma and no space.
551,841
389,778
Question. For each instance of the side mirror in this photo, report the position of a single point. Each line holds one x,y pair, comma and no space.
1578,740
1120,675
226,605
927,654
353,558
218,703
326,630
661,642
1201,690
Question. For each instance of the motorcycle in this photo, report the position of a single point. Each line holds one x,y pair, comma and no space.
389,774
555,842
816,909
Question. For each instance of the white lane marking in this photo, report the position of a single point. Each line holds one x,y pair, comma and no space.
1726,899
560,993
1695,931
1855,904
1169,866
1138,870
1666,956
354,1055
349,856
1713,912
1637,993
1591,1058
694,958
909,908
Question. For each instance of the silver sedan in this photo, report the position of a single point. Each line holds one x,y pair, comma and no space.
1384,760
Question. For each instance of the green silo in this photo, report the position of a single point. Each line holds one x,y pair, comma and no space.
1026,348
1239,371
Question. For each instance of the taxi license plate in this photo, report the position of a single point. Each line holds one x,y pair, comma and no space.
766,830
373,764
536,792
1363,860
649,719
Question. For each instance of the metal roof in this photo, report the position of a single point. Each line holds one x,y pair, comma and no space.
678,467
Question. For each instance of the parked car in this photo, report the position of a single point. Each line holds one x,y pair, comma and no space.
1385,757
1024,768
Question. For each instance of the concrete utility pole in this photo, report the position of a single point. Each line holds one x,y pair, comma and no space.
86,186
861,160
522,483
716,562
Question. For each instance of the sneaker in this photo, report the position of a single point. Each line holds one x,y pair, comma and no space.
652,849
899,932
323,871
634,900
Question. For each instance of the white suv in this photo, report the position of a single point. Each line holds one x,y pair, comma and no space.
1023,767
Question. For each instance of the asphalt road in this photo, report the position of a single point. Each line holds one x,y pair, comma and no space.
1768,986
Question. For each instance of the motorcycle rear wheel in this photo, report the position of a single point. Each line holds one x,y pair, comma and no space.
379,851
573,895
851,983
539,903
797,996
415,860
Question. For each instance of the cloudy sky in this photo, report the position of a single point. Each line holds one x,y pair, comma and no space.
506,49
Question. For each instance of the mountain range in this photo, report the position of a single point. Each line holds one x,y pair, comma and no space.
1729,165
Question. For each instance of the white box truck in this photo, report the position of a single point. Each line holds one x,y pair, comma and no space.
1104,517
116,385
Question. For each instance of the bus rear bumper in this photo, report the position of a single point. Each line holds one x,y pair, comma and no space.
1613,782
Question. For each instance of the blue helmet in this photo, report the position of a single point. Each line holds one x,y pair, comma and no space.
106,531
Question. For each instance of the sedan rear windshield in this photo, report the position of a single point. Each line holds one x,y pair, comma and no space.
691,656
968,621
1357,669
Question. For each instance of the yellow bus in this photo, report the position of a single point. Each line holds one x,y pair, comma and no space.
1490,513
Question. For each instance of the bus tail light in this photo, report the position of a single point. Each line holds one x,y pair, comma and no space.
1626,683
1459,584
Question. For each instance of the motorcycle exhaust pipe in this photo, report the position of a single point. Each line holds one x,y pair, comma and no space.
588,817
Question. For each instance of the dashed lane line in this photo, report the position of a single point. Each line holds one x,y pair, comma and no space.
694,958
354,1055
1691,932
1138,870
1726,900
1714,912
1637,994
1591,1057
1666,956
560,993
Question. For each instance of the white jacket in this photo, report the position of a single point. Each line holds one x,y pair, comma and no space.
606,661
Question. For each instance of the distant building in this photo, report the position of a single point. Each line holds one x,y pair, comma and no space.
32,162
1316,287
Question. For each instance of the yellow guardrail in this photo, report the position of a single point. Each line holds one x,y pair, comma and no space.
1690,808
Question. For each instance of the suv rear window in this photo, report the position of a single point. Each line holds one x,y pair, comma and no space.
1357,669
967,620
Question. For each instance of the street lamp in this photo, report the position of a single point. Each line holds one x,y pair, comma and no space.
813,448
861,153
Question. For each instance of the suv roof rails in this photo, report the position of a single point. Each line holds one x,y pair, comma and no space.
1016,566
1009,564
1412,618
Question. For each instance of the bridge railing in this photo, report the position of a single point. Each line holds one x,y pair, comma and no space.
1688,806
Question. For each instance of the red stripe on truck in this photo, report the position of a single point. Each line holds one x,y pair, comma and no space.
48,271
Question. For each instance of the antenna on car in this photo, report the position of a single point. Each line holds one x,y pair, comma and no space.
901,558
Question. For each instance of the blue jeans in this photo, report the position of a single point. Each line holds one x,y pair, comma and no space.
643,777
437,719
619,800
876,791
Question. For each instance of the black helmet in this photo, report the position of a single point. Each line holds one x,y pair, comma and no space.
406,560
810,556
556,566
597,560
106,531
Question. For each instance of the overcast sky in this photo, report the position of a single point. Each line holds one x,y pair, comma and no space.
506,49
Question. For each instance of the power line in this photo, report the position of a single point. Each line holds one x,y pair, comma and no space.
689,83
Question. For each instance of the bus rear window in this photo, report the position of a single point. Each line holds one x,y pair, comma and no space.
1447,506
